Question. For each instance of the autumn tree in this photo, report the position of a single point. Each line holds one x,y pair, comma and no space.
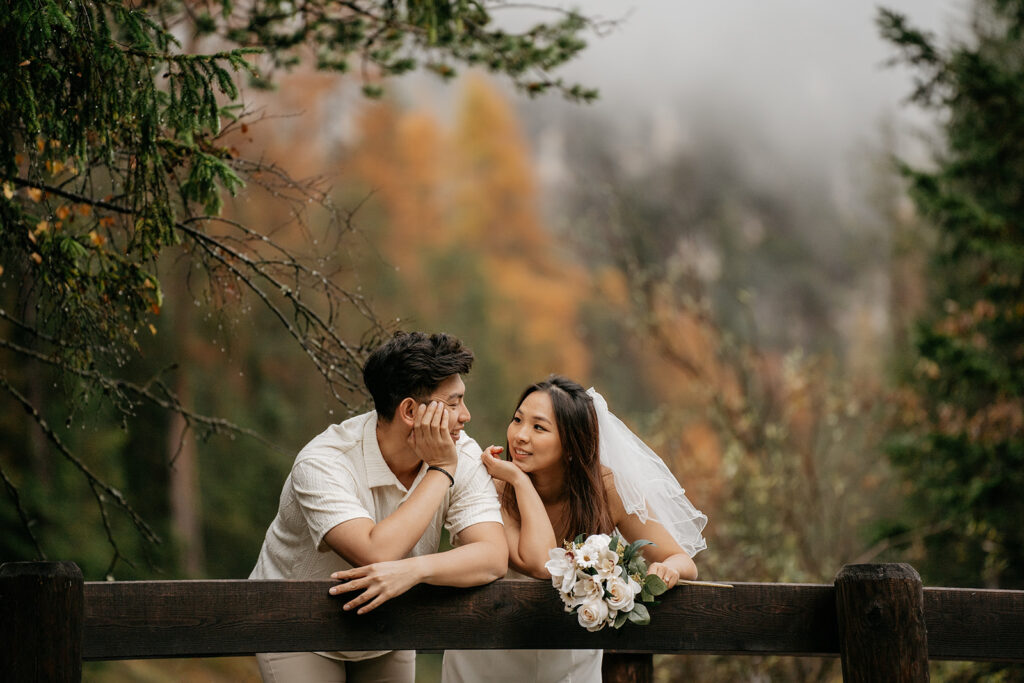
456,216
963,446
717,325
115,160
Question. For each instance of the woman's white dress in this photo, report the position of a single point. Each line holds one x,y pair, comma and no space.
521,666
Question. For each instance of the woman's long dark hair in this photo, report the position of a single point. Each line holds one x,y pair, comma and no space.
587,510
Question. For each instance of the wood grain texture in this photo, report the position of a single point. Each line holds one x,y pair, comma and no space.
882,635
975,623
41,614
206,618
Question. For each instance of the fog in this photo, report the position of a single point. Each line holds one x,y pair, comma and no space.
806,80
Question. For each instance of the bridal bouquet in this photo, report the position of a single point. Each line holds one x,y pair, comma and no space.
604,581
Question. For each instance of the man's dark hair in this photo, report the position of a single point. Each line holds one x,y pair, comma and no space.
412,364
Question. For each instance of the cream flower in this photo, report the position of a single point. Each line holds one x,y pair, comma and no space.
593,614
594,550
607,565
623,593
588,588
562,568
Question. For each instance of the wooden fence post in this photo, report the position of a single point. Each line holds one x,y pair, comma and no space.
41,609
882,636
627,667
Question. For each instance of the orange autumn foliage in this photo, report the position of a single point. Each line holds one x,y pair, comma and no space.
470,192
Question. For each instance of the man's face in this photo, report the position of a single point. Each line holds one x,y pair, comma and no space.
452,393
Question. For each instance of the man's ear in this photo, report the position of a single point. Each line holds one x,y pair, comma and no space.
406,410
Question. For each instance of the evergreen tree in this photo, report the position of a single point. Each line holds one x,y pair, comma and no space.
114,161
964,449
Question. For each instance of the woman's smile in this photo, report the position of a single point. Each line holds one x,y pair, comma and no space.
520,453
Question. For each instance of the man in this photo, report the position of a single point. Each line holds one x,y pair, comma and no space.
366,500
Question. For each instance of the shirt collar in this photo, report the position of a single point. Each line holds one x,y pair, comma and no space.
377,471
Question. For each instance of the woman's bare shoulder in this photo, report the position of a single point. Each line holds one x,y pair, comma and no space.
612,494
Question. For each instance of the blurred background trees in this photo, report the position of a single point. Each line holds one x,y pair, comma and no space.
123,133
962,442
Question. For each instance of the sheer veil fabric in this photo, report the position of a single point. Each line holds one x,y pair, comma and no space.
647,487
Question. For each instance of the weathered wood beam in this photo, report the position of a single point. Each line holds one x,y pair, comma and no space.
207,618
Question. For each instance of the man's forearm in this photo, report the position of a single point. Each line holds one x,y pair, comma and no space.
397,533
482,559
362,542
472,564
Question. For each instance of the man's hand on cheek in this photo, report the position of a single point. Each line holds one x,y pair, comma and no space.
431,437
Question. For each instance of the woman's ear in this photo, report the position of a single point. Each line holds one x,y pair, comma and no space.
407,410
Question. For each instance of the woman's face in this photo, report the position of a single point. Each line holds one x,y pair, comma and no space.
533,439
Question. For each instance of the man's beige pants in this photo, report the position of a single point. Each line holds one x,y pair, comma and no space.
398,666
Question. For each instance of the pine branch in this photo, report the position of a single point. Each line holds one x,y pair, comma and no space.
320,348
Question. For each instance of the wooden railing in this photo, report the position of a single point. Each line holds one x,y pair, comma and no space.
878,619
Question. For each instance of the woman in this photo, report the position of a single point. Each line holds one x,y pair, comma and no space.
573,469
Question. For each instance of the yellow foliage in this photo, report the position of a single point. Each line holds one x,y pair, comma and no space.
471,192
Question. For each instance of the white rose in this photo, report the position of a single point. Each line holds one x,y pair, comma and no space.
622,593
562,568
593,614
588,588
607,565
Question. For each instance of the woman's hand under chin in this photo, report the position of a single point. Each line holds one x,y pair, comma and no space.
502,470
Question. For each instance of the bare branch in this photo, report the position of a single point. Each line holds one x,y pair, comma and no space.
877,549
26,523
110,533
329,353
140,524
168,401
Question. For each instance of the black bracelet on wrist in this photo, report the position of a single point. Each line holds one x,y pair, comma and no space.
444,472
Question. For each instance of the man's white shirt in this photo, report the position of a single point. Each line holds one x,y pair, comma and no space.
341,475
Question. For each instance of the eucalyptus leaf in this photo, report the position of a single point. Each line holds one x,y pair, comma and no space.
639,543
639,615
654,584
